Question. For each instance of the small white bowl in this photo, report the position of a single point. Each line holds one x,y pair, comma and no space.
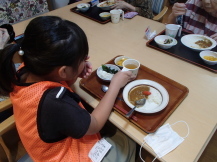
119,60
83,7
104,6
104,75
208,53
160,41
105,15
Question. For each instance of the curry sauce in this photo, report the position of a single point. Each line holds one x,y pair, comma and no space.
136,93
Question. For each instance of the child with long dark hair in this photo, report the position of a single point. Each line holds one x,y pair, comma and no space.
52,123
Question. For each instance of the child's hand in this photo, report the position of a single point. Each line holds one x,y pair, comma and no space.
121,78
87,69
120,5
214,36
178,9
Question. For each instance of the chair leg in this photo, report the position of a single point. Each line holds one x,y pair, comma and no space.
7,151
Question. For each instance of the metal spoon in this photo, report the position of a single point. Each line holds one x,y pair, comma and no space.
104,88
138,103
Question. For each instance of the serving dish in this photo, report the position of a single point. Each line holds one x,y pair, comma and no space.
158,92
83,7
105,15
92,14
192,40
106,5
119,60
147,122
165,41
103,75
211,54
182,52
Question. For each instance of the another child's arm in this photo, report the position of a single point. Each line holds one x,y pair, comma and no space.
123,5
214,36
101,113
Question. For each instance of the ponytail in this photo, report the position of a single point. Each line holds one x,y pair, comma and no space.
7,69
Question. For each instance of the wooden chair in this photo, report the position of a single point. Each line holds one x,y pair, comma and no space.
159,8
5,126
16,151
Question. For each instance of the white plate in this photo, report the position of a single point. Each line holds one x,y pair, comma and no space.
190,39
156,90
107,7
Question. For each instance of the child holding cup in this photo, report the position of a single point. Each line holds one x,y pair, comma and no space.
198,16
51,121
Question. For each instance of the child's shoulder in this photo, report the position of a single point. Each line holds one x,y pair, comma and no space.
61,93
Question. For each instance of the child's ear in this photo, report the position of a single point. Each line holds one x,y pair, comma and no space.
62,72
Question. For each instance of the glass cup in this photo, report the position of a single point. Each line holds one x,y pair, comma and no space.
173,29
131,65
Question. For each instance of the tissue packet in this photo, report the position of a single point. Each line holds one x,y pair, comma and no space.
149,35
130,15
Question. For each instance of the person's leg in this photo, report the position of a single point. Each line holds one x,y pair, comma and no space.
123,148
73,1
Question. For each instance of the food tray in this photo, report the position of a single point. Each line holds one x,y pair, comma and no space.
147,122
92,13
182,52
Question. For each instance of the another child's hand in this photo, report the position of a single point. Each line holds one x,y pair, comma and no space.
4,37
121,78
120,5
178,9
214,36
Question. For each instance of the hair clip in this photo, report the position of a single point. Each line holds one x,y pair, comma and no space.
21,52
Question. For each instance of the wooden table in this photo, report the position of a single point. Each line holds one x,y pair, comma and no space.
199,108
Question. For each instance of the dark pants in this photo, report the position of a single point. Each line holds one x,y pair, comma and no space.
72,1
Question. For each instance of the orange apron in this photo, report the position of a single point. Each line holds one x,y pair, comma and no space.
25,101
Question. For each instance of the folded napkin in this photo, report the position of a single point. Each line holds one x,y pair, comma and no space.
130,15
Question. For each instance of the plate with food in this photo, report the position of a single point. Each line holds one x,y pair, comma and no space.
105,5
165,41
107,71
156,95
105,15
198,42
119,60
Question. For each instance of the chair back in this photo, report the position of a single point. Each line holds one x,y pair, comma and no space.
157,6
25,158
6,124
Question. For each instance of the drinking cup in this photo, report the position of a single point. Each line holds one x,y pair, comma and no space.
173,29
116,15
131,65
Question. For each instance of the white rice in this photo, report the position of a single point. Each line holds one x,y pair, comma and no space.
155,96
154,100
105,75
